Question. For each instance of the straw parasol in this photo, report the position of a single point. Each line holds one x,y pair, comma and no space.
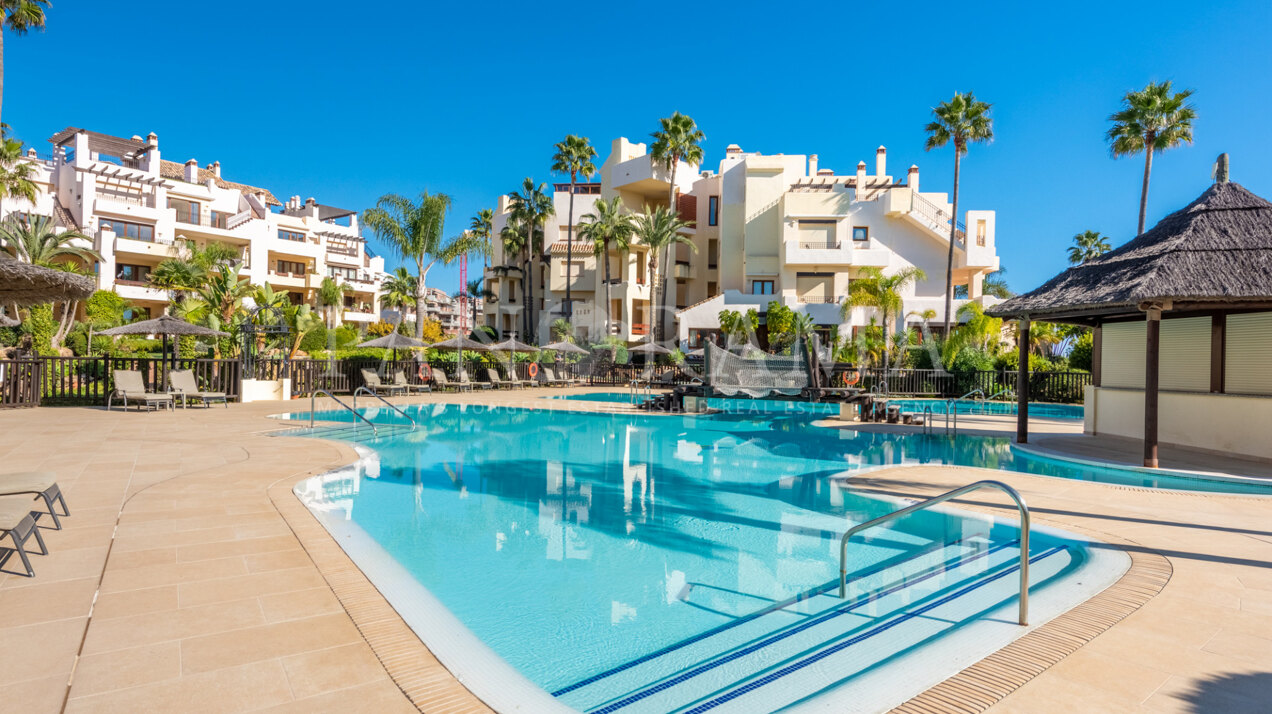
459,343
23,284
165,325
394,341
567,347
510,345
649,348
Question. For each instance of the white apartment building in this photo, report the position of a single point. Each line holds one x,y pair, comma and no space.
766,227
138,209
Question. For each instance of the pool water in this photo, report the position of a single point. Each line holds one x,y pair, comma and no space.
641,563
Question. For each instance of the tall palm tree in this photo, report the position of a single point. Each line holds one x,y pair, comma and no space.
21,16
474,290
415,231
1088,245
962,120
331,297
1151,120
480,228
36,241
996,284
882,292
531,207
15,174
607,226
189,270
516,242
659,228
398,290
574,157
678,139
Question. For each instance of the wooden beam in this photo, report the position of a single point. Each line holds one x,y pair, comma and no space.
1097,353
1022,383
1218,338
1151,370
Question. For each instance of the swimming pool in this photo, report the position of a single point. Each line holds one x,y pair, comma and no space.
638,563
1042,410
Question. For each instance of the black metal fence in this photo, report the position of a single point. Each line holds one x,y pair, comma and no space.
1065,387
19,383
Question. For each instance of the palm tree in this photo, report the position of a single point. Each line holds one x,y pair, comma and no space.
474,290
562,330
1088,245
187,272
331,297
480,228
415,231
15,174
882,292
531,207
398,290
607,226
573,156
979,329
659,228
677,140
21,16
36,241
962,120
995,284
1151,120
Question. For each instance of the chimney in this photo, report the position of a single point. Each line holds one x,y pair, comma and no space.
881,162
732,149
861,175
812,164
136,138
192,171
912,178
216,169
152,139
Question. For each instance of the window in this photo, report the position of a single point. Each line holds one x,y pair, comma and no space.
187,211
980,232
133,274
713,211
860,233
713,254
575,269
220,219
817,234
294,236
348,273
711,289
125,229
291,266
761,287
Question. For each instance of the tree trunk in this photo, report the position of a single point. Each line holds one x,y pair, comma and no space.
568,312
608,314
949,261
1,63
1148,169
671,206
421,274
525,294
653,287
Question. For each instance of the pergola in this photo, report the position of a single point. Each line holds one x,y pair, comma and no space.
1213,258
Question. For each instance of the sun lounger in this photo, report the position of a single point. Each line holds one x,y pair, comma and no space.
130,385
548,379
17,522
181,383
39,484
493,378
372,382
443,383
399,380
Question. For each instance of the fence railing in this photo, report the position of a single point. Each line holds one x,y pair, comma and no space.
1043,386
19,383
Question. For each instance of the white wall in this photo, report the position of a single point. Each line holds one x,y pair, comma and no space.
1215,422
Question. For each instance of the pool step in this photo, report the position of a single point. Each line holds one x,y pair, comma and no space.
821,648
928,565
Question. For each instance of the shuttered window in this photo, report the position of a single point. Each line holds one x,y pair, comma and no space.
1184,355
817,234
1122,355
1249,344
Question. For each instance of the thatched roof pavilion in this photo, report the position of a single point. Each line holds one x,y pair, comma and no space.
1205,271
23,284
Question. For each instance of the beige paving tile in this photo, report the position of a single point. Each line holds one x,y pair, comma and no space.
381,698
41,602
135,602
153,627
123,560
34,696
326,670
1241,645
279,560
149,576
48,649
225,691
299,604
202,654
236,588
120,669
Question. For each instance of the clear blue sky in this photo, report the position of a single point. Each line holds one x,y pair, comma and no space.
346,102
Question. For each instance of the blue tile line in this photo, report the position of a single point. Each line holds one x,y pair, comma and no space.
740,621
835,612
773,676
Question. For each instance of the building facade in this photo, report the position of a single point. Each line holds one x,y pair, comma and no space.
765,227
138,209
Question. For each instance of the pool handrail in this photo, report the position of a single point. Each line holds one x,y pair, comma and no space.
1024,535
387,403
313,396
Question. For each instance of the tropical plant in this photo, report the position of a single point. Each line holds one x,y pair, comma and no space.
35,240
267,296
608,226
1088,245
474,290
995,284
331,297
1043,337
481,228
659,228
397,290
562,330
302,321
1151,120
978,329
21,16
16,175
738,327
963,120
882,292
415,230
531,207
104,309
574,157
217,301
678,139
780,321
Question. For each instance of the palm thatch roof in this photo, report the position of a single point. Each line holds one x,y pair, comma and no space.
1216,251
393,341
163,325
567,347
23,284
512,344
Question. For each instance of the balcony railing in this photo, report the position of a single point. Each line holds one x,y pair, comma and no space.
818,299
819,245
135,199
640,328
933,214
342,251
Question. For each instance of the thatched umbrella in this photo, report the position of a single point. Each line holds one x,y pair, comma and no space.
649,348
567,347
510,345
393,341
23,284
164,325
459,343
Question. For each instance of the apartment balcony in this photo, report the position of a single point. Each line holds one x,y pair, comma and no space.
343,256
301,281
643,176
625,290
150,249
682,270
361,315
306,249
137,290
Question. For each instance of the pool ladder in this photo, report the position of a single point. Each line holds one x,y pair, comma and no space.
313,398
1024,535
364,390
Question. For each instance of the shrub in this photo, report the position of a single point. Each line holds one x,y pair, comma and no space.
1010,361
105,308
346,336
40,325
1080,355
433,331
315,340
971,359
379,329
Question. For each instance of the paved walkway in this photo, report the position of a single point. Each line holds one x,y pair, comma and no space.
208,600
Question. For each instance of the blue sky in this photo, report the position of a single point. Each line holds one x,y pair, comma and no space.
311,98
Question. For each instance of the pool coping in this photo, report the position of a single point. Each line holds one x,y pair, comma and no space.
431,686
1214,476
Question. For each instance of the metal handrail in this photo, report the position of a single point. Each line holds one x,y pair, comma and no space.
387,402
313,398
1024,535
951,408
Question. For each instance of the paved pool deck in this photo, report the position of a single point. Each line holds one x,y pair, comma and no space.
188,578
